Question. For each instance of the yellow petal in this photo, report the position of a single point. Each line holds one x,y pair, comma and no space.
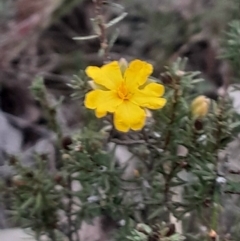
100,113
103,101
149,97
137,73
150,79
153,89
96,86
108,76
153,103
129,116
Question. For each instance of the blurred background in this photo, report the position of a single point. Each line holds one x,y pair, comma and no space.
36,39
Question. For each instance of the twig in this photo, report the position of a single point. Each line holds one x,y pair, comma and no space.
168,177
69,208
102,27
76,229
218,133
232,192
52,235
173,115
235,172
127,142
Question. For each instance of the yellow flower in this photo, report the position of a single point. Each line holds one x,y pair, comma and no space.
200,106
125,91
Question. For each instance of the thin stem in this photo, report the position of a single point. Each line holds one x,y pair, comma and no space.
173,115
52,235
51,115
69,208
169,176
127,142
102,27
218,133
76,229
149,165
232,192
168,179
234,172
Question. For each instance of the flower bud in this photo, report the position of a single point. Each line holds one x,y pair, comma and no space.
198,124
66,142
58,178
200,106
66,156
123,65
212,234
136,173
180,73
18,181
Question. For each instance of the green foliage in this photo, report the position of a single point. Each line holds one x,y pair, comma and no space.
158,232
148,196
34,196
232,46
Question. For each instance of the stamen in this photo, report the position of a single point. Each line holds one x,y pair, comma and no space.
123,92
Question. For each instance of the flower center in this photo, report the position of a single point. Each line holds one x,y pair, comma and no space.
123,92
